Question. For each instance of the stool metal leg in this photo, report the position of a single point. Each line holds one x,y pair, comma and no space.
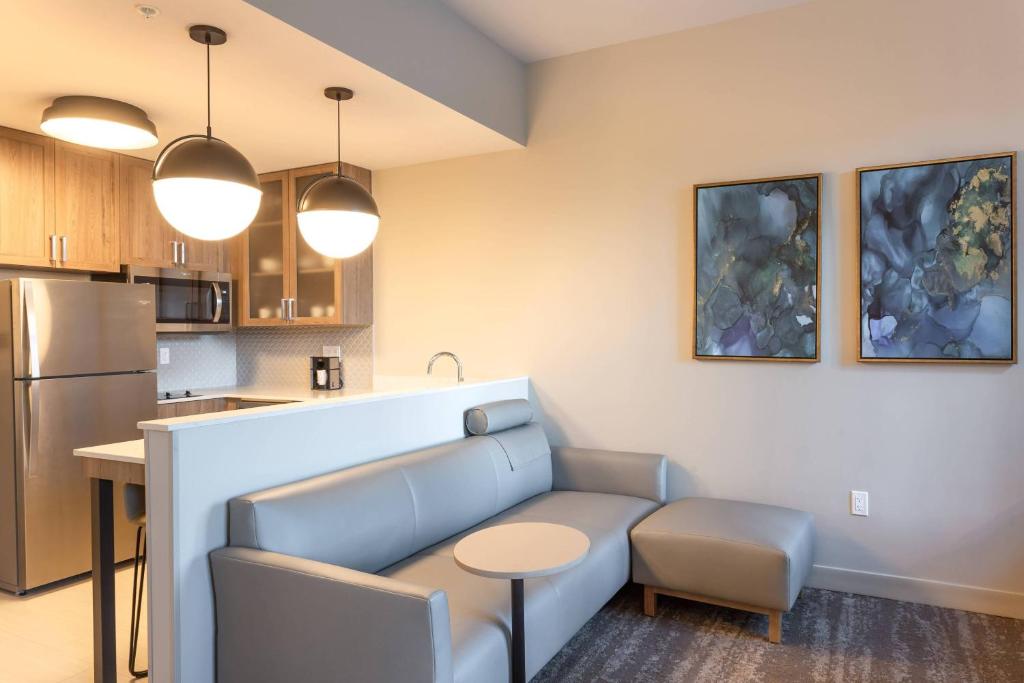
138,583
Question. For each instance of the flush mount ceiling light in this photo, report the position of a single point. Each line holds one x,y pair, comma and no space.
98,122
337,216
203,186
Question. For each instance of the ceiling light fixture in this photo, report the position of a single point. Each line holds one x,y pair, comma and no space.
98,122
337,216
203,186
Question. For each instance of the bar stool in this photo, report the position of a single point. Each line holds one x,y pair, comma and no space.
135,509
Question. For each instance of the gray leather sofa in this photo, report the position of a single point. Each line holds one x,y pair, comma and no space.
350,576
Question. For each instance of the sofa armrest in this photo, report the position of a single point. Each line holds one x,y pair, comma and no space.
284,618
642,475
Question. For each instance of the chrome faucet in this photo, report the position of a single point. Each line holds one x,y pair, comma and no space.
430,365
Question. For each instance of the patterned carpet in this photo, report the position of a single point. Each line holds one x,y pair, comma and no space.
827,637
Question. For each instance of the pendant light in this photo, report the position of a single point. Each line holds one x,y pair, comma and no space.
337,216
203,186
98,122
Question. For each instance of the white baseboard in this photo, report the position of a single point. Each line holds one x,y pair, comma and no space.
925,591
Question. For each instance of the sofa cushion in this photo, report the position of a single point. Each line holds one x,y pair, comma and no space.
370,516
522,445
555,606
498,416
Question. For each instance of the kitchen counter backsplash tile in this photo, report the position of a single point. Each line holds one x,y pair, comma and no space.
197,360
273,356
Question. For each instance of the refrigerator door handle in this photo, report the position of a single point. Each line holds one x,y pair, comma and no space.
31,331
31,429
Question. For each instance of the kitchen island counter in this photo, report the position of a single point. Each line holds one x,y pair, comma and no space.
299,398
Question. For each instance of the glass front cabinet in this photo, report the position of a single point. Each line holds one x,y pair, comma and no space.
281,280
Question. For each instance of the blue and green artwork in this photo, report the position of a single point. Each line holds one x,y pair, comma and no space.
757,274
936,261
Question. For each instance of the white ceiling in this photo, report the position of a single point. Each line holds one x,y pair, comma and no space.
267,83
540,29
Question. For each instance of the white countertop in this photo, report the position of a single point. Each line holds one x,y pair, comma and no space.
123,451
301,398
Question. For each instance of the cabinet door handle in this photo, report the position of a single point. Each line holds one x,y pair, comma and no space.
174,253
53,248
291,309
64,248
184,258
284,309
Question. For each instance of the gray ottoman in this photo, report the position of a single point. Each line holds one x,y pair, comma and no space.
740,555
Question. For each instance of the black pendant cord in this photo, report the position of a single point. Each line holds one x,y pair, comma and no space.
209,131
339,137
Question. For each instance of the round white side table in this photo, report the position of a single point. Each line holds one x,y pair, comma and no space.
516,552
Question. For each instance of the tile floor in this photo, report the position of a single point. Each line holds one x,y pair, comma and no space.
46,636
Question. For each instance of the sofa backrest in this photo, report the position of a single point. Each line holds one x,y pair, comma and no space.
370,516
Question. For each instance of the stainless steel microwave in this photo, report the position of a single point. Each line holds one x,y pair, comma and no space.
188,300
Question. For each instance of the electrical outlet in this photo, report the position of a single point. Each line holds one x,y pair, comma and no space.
332,351
859,503
165,355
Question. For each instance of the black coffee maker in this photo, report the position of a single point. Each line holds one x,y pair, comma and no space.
325,373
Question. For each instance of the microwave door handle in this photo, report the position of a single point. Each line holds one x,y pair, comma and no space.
218,301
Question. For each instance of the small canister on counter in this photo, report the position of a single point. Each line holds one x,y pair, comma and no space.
325,373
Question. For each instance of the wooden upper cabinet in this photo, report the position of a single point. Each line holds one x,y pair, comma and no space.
357,272
86,204
263,258
200,254
314,279
146,238
276,263
26,198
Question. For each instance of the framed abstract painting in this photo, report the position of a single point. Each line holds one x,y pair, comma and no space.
937,266
757,276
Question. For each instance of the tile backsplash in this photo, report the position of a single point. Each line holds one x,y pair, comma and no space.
266,356
197,360
276,356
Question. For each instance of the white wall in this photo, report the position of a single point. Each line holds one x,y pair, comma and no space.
572,261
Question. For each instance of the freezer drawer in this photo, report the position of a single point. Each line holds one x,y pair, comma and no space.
55,416
64,327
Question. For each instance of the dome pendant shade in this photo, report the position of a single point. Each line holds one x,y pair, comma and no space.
338,217
98,122
205,188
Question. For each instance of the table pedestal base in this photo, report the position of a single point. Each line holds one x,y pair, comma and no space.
518,634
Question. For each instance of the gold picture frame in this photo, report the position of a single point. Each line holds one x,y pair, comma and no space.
818,179
1012,359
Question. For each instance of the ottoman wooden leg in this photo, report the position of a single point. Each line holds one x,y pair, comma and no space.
774,626
650,601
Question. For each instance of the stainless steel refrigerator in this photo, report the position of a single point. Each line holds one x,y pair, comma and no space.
77,368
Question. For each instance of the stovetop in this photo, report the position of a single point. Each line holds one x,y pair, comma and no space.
167,395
